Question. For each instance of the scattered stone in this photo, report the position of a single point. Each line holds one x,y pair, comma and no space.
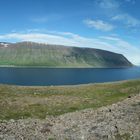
129,96
122,123
46,128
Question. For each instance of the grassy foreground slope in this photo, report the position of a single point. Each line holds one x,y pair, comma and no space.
37,102
35,54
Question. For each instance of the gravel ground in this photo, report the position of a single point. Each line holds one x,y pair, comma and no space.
119,121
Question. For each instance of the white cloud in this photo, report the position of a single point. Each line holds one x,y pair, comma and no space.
127,19
46,18
99,25
109,43
109,4
131,1
113,9
40,20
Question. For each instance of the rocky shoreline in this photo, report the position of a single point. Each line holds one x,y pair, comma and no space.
120,121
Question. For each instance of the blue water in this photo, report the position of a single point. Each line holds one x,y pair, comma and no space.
62,76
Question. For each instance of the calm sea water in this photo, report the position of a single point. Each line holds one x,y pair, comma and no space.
62,76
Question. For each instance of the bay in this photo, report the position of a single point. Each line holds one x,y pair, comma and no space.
65,76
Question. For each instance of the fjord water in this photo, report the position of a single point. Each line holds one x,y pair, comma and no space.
65,76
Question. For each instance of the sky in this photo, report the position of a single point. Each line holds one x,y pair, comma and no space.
112,25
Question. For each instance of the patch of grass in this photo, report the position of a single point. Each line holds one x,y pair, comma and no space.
125,136
38,102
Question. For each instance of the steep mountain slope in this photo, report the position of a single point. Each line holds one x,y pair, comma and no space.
36,54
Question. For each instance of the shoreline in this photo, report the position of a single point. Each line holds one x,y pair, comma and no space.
72,86
70,67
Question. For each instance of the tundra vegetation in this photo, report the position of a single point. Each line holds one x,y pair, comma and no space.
36,54
39,102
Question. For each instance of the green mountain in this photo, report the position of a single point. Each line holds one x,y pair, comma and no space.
36,54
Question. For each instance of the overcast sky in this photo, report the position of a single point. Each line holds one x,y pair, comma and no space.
112,25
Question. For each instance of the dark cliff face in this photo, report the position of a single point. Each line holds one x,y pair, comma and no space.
36,54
